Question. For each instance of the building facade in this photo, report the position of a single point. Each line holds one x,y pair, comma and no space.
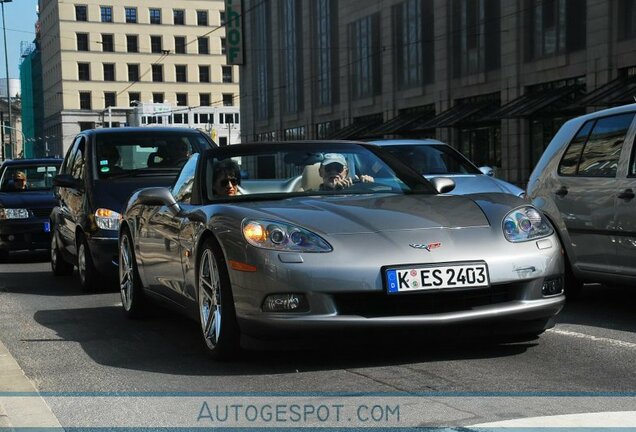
101,59
35,141
494,78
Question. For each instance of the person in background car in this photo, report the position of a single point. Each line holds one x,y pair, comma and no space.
19,180
227,178
335,173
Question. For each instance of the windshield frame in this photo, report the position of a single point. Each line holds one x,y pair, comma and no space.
415,182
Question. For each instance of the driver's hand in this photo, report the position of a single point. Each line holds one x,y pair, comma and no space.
343,183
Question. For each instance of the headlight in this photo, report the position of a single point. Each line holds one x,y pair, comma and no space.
525,223
107,219
14,213
283,237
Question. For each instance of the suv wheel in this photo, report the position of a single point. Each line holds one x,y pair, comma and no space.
85,267
59,266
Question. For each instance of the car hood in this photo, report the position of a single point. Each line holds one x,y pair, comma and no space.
477,183
364,214
28,199
114,194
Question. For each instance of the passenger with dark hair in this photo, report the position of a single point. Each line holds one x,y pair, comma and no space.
226,177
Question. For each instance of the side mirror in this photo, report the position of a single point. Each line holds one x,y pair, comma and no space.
159,196
443,184
67,181
487,171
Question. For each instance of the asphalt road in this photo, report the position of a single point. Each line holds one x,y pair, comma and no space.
66,341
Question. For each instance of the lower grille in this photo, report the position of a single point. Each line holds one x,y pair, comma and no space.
380,304
41,212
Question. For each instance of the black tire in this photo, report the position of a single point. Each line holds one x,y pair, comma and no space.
4,255
571,285
89,277
59,265
216,304
131,291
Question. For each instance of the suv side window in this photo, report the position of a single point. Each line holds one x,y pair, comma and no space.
601,152
182,189
66,165
79,161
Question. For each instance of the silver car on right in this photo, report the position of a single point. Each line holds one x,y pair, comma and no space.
585,183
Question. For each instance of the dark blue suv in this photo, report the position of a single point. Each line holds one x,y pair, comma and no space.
102,168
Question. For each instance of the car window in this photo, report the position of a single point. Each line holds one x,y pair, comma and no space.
66,165
433,159
182,189
632,163
596,148
36,177
121,153
79,160
603,148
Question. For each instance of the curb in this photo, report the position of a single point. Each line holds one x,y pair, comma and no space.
19,411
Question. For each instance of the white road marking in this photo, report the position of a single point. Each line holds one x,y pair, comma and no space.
615,342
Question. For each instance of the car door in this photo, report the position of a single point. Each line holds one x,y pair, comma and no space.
625,196
160,248
585,190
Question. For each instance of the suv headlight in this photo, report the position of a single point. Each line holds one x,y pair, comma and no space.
282,237
525,223
107,219
13,213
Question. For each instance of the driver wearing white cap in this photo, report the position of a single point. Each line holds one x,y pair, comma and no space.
335,174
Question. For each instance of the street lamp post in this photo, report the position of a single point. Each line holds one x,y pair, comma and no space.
6,63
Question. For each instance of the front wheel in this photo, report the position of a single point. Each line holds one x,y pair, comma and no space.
89,279
216,305
131,291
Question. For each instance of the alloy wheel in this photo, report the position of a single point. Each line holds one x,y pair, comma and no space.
210,299
126,279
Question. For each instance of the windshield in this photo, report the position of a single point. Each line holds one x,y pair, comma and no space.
433,159
28,177
120,154
265,170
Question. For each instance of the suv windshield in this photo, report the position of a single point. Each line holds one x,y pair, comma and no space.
28,177
119,154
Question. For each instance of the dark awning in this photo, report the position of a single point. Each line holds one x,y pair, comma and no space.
620,91
465,113
401,122
548,100
356,130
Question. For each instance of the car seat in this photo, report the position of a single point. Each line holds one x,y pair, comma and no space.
311,179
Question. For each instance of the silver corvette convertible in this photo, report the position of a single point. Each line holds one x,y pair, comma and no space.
261,241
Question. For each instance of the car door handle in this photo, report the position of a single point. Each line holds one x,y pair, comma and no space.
563,191
627,194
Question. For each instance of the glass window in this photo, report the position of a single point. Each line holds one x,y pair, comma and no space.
181,73
85,100
223,46
82,41
81,13
132,43
291,63
131,15
133,72
204,45
182,189
106,13
627,16
202,17
109,72
37,177
204,99
84,71
228,99
134,98
155,44
180,44
262,75
182,99
179,16
155,16
157,73
204,74
78,164
157,97
107,43
570,160
227,74
110,99
222,17
603,148
365,58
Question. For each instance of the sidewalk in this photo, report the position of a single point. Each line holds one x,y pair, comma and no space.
16,411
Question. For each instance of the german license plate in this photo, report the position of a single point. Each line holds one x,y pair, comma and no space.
47,226
432,277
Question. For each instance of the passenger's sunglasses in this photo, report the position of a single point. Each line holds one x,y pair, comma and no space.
227,181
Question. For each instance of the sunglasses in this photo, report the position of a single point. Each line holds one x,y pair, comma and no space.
227,181
334,167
